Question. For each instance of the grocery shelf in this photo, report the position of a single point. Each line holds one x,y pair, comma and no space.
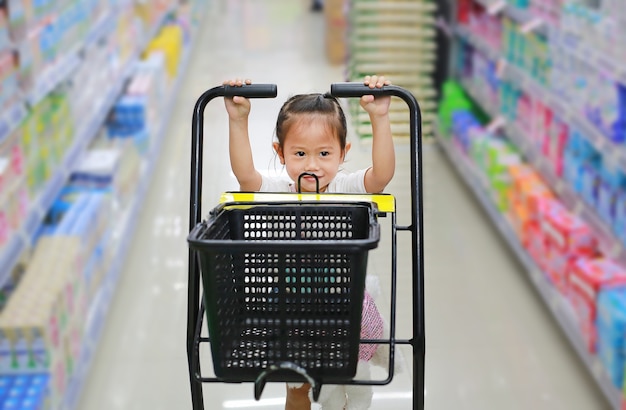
124,231
11,119
65,65
603,62
477,95
516,75
21,239
407,6
600,142
478,43
560,309
523,17
609,243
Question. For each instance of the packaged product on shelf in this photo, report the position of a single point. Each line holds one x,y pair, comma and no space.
17,23
590,180
170,42
611,328
568,238
96,169
586,280
620,215
523,178
40,317
335,20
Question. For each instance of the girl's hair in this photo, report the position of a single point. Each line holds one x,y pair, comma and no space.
324,104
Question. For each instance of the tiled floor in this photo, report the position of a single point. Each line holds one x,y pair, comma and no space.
490,342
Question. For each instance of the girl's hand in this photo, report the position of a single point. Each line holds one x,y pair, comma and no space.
378,106
238,108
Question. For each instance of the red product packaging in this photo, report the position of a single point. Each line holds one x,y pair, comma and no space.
570,234
536,244
558,266
587,277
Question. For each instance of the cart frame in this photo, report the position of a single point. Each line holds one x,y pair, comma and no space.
195,306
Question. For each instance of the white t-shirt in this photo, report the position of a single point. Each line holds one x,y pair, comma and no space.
344,182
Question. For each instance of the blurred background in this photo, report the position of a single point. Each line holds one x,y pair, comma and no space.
523,125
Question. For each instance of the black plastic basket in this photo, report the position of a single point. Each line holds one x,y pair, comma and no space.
284,283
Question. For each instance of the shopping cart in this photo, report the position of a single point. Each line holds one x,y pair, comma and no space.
283,274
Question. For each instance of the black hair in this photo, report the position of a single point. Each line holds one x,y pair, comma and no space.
315,103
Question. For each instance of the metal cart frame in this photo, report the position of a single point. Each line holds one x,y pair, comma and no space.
195,307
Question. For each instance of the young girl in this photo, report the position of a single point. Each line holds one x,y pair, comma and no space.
311,131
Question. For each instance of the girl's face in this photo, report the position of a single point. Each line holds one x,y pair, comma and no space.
311,145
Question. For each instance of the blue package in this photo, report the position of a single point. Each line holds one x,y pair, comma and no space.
611,327
589,183
606,202
66,225
572,167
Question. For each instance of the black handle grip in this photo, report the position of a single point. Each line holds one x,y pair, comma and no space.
349,90
251,91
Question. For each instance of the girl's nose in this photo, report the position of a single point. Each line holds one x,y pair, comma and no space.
311,164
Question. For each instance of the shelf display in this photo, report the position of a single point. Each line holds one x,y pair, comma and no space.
79,163
539,117
395,38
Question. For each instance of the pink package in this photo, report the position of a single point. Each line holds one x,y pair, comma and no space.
587,277
569,233
557,140
558,266
536,247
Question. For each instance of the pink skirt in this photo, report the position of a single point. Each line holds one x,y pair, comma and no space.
372,326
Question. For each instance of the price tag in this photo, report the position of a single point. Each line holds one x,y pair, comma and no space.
531,25
496,124
496,7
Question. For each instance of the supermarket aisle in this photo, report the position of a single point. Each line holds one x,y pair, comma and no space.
490,341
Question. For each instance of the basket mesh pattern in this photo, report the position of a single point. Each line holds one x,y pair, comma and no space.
268,301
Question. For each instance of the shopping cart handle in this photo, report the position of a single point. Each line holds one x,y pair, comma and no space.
251,91
356,89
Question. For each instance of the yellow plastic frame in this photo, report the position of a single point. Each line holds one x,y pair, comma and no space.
385,202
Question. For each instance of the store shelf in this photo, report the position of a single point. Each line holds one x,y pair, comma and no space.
123,233
478,43
614,153
21,239
521,16
554,301
64,66
11,119
609,243
584,51
477,95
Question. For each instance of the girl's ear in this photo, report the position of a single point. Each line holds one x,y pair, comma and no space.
279,152
346,149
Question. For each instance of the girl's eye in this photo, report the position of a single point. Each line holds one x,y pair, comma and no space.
324,154
300,154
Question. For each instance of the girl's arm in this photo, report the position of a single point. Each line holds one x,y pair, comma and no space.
383,154
241,160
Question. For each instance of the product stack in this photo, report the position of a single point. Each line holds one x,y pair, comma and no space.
395,38
536,120
74,168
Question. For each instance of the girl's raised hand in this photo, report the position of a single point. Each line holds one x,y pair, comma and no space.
237,107
376,106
